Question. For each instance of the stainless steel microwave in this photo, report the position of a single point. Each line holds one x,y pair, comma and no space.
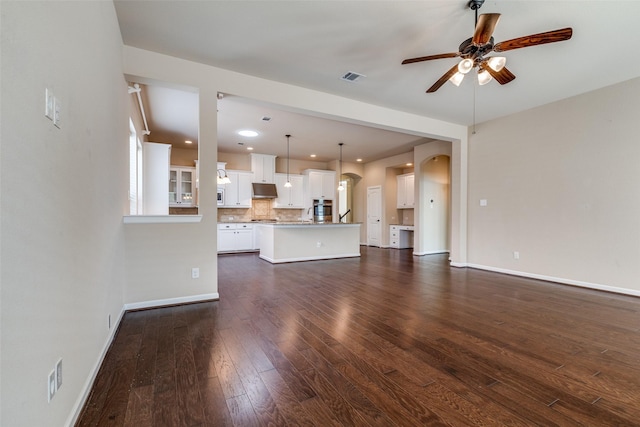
220,196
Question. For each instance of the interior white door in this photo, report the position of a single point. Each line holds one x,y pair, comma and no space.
374,215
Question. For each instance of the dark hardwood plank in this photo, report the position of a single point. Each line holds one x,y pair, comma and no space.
216,411
140,407
190,411
386,339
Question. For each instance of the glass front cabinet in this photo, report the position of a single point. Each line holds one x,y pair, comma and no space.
182,182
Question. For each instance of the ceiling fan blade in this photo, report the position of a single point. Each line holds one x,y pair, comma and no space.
446,76
429,58
484,29
534,40
503,76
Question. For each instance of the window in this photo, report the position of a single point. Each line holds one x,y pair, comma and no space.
135,171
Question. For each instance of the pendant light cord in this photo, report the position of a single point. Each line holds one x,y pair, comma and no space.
288,136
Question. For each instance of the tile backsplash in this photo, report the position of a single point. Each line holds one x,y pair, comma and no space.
260,209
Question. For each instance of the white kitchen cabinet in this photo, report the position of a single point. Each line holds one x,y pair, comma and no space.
401,236
406,198
321,184
237,194
235,237
182,186
292,197
263,167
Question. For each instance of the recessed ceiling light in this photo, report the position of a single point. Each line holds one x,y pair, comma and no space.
409,164
248,133
358,160
312,155
249,148
188,142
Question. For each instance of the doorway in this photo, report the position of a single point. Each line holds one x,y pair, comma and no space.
374,215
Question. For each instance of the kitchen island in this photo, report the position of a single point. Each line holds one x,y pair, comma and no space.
299,241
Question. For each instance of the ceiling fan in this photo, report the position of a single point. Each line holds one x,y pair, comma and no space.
473,51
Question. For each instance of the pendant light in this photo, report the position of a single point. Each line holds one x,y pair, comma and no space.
223,178
288,183
340,187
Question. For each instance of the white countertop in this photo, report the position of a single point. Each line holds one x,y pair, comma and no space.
307,224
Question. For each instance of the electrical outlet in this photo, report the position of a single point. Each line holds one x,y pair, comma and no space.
51,385
516,255
59,374
195,273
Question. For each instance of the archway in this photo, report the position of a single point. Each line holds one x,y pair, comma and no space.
346,206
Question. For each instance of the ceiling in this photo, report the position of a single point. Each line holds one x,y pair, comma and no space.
313,43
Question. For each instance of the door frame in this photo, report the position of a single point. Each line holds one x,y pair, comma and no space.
380,221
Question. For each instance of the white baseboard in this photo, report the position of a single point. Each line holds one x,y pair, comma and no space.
171,301
441,251
308,258
458,264
560,280
82,399
86,389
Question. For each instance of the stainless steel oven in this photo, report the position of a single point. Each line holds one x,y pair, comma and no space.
322,210
220,196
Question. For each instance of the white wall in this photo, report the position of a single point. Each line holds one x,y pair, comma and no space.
562,185
160,256
64,192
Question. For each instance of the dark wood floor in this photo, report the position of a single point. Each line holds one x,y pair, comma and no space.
386,339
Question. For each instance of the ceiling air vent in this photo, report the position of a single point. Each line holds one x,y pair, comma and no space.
352,77
266,119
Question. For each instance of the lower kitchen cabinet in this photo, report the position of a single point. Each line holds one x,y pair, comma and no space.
235,237
401,236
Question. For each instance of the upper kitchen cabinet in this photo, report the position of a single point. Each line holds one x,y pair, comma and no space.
182,185
405,191
321,184
289,197
263,167
237,194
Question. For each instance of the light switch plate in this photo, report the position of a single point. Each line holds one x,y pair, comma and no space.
59,374
51,385
56,112
48,104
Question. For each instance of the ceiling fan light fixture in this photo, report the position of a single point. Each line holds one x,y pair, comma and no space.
484,77
497,63
456,79
465,65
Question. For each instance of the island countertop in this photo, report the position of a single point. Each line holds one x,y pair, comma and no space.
300,241
307,224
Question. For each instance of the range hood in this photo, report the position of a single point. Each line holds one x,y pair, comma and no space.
264,191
